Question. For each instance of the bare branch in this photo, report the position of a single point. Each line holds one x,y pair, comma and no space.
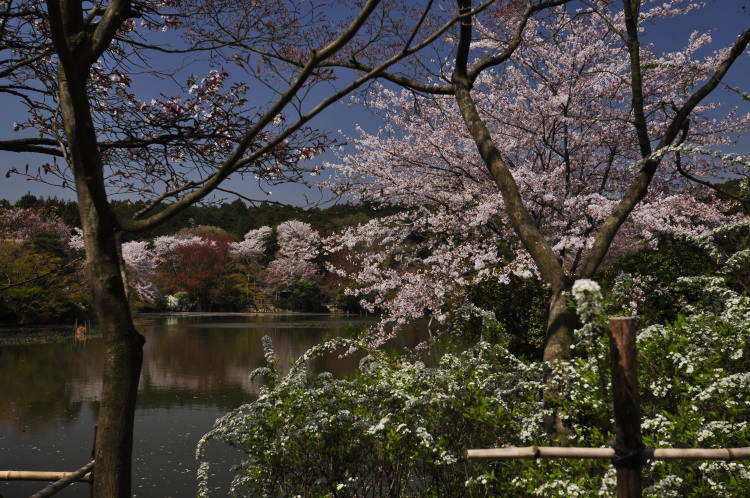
36,145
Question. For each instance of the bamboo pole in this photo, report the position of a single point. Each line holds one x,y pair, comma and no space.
93,457
541,452
727,454
628,446
34,475
65,481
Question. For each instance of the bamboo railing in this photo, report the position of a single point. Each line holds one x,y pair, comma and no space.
35,475
65,481
727,454
631,456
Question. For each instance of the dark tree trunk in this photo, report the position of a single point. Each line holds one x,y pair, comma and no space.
562,320
124,345
121,369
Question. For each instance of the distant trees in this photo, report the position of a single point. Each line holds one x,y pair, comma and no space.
40,280
299,247
22,224
202,268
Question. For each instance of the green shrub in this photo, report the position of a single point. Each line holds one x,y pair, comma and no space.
520,307
305,296
401,428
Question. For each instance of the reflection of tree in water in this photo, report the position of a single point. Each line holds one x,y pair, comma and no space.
202,361
217,356
44,382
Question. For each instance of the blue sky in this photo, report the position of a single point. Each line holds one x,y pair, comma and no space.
723,18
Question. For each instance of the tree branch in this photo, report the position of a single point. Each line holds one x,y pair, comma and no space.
235,161
519,217
37,145
639,187
514,42
632,9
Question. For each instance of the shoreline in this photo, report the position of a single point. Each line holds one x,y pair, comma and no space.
238,313
40,334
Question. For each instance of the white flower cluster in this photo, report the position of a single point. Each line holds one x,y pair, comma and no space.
587,295
694,378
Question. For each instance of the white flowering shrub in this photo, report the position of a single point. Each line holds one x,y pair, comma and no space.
396,428
179,301
401,428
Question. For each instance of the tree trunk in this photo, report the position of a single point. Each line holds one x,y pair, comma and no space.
124,345
123,353
561,322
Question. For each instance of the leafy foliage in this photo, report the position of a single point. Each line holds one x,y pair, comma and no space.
401,427
305,296
37,285
519,306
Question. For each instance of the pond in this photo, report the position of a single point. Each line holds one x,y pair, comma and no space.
195,369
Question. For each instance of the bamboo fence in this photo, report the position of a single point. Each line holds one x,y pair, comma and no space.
35,475
629,460
727,454
65,481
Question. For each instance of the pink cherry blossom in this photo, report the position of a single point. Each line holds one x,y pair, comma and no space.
559,112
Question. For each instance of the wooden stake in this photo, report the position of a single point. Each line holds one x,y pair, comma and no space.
93,457
628,445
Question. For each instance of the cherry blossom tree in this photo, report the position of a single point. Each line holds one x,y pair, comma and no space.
252,246
299,246
298,240
75,66
22,224
140,266
556,143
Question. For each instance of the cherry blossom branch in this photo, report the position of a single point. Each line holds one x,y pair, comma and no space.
164,50
519,217
25,62
236,161
166,195
639,187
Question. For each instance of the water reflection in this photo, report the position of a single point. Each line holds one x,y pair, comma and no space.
195,368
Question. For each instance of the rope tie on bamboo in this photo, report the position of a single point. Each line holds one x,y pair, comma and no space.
630,458
730,454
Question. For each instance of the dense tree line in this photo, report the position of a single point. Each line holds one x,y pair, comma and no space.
235,217
194,267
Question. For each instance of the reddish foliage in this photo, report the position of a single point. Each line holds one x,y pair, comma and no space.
198,265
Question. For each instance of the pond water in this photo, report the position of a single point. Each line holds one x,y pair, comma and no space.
195,369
